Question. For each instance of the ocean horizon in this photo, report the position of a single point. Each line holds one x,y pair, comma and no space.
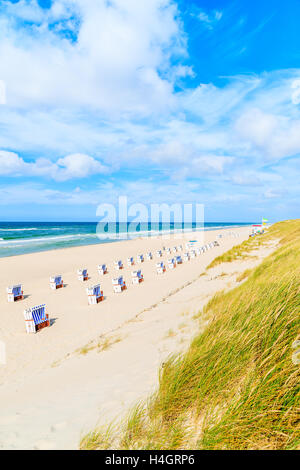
17,238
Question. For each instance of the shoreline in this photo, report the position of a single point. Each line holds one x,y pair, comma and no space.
135,236
45,370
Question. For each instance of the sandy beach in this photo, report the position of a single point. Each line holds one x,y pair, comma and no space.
55,384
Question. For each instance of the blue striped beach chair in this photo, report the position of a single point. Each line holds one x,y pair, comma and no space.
160,268
149,255
14,293
36,318
171,263
178,260
56,282
95,294
159,253
118,265
118,284
137,277
140,259
102,269
82,274
186,257
130,261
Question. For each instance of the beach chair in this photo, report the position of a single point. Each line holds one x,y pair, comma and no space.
179,248
137,277
160,268
186,257
118,284
168,250
171,263
216,243
102,269
174,249
140,259
14,293
82,274
149,255
192,254
159,253
118,265
36,318
198,251
178,260
56,282
130,261
95,294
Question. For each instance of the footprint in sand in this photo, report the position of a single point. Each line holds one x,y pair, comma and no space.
58,426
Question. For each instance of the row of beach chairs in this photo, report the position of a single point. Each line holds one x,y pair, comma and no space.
36,317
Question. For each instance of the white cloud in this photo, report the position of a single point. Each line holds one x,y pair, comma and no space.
11,164
296,93
69,167
278,136
113,65
209,19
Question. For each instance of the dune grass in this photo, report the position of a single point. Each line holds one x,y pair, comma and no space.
236,387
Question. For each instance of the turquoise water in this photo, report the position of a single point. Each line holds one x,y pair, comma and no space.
18,238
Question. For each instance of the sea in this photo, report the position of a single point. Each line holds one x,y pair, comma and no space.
18,238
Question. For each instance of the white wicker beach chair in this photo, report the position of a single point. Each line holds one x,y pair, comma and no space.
95,294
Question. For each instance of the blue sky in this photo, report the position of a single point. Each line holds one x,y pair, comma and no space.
161,101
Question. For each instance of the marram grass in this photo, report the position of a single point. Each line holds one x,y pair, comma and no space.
236,387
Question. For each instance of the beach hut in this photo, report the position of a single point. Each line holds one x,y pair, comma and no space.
171,263
56,282
118,284
14,293
137,277
36,318
159,253
118,265
95,294
130,261
186,257
82,274
149,255
140,259
102,269
160,268
178,260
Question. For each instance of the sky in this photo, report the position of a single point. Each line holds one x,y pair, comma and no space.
161,101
